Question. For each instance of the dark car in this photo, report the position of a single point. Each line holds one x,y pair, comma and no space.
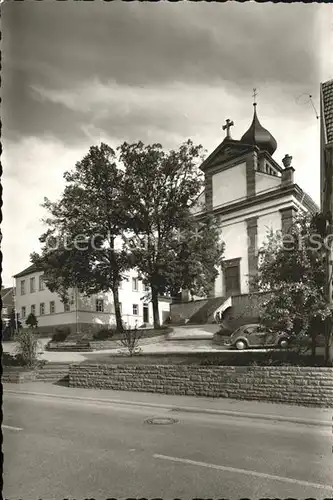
255,335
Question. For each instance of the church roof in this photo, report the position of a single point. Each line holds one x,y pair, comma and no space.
327,109
259,136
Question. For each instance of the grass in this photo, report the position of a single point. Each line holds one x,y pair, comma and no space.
228,358
146,333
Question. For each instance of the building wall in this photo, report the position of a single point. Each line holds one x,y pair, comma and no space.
265,182
229,185
234,235
271,221
83,309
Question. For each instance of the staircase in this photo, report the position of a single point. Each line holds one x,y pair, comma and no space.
54,373
204,314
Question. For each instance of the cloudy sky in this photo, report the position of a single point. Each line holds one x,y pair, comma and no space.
77,73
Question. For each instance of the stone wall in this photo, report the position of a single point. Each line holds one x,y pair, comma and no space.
179,312
291,385
18,377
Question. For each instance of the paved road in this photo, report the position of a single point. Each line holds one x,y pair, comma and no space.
57,449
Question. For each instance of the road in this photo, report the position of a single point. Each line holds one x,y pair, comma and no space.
56,449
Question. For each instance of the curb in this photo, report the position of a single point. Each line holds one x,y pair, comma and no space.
183,409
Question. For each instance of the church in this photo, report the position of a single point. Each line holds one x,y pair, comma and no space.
250,193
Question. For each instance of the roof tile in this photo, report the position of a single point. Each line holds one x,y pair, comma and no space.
327,89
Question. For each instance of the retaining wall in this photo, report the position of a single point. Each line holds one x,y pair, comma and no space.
304,386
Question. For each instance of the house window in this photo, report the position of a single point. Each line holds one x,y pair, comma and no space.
23,310
52,307
135,284
135,309
99,305
232,276
67,307
147,288
42,308
5,310
32,285
23,287
41,284
33,310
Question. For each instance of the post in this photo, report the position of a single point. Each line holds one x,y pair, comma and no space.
76,311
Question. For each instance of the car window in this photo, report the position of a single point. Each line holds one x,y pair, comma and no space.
250,330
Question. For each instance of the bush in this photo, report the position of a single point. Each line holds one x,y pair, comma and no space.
130,339
26,347
104,334
60,334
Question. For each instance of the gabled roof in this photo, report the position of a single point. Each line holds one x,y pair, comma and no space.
28,270
327,109
228,149
6,291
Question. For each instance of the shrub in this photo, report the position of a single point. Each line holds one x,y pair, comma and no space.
130,339
60,334
104,334
27,346
31,321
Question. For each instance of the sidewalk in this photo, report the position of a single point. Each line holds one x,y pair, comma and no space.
221,406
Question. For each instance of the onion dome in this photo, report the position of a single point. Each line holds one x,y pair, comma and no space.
259,136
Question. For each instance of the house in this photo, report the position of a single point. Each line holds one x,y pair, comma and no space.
250,193
83,313
8,304
326,133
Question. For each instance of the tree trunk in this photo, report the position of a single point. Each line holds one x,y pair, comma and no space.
328,347
119,322
313,345
154,300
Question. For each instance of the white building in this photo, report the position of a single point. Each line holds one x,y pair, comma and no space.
85,313
250,193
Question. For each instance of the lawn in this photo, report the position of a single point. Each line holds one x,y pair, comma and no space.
146,333
226,358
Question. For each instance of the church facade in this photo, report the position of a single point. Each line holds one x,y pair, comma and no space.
250,193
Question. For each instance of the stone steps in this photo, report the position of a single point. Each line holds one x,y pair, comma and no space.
53,372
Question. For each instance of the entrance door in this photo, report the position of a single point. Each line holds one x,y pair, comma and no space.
145,313
232,277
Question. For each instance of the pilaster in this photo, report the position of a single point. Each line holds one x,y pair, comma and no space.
252,235
288,216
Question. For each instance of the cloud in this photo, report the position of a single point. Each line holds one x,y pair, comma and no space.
77,73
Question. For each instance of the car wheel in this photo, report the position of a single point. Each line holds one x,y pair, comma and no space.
240,345
283,343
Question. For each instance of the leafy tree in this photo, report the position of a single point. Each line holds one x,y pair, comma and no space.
26,346
80,245
160,189
198,252
291,268
31,321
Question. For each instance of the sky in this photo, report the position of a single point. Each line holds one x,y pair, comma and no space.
79,73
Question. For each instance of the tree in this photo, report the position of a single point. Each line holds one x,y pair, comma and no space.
26,346
31,321
198,253
160,189
81,243
291,268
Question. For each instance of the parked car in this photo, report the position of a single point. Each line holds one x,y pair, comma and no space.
255,335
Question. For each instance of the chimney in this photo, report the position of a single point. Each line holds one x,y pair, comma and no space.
288,172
